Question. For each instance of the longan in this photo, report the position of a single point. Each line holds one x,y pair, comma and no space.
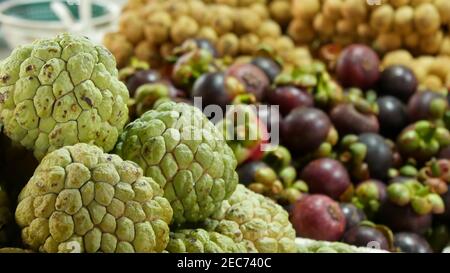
355,10
157,28
382,18
426,19
305,9
404,20
388,41
332,8
207,33
430,44
322,25
248,43
183,28
443,7
132,26
228,45
269,28
280,11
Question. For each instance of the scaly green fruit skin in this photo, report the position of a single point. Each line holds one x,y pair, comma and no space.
83,200
312,246
257,221
202,241
186,155
62,91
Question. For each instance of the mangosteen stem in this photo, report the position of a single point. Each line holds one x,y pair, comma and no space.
435,170
438,107
425,130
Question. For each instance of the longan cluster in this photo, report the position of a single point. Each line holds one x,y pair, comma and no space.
150,30
417,25
432,72
279,10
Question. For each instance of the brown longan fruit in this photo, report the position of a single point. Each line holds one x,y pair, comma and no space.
261,10
157,28
176,8
430,44
246,21
411,40
284,43
364,31
220,20
299,56
323,25
404,20
382,18
119,46
401,56
207,33
134,5
426,19
269,28
305,9
145,51
280,11
197,10
183,28
445,46
132,26
228,45
355,10
388,41
301,31
443,7
332,9
346,27
440,67
268,43
151,8
432,82
248,43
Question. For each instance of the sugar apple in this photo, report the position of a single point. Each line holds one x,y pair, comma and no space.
186,154
313,246
62,91
83,200
6,217
256,220
202,241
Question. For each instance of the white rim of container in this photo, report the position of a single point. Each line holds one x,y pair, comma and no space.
113,12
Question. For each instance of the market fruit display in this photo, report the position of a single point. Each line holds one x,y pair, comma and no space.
150,29
186,155
232,126
59,92
419,26
83,200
